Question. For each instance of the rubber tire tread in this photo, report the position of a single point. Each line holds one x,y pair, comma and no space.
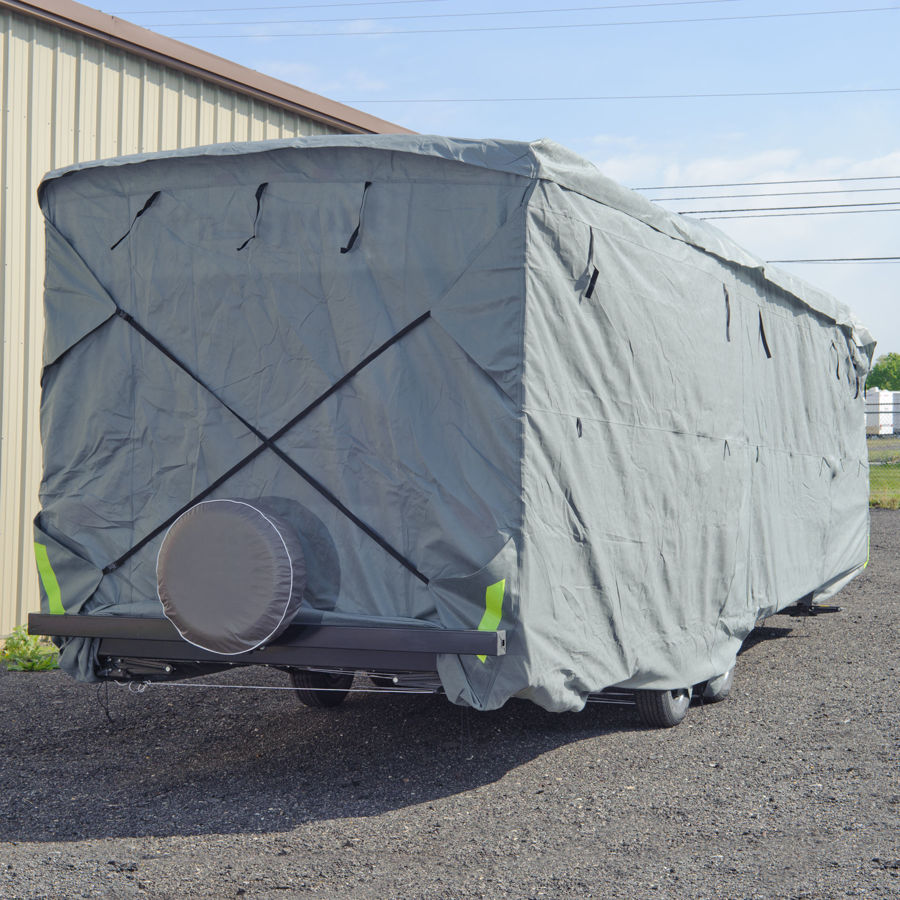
659,709
310,686
716,693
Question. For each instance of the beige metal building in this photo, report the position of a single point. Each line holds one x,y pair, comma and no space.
77,84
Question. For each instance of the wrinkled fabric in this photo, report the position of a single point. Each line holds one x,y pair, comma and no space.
609,431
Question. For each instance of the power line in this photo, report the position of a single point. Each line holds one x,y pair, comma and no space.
691,212
840,259
775,215
142,12
774,194
680,187
744,18
622,97
505,12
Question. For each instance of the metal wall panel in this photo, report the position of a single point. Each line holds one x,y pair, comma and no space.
65,99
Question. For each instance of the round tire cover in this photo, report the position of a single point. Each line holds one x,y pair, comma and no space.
230,576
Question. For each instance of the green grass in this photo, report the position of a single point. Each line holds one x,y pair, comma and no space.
23,652
884,449
884,472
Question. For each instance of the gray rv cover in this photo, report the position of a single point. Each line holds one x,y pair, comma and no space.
486,387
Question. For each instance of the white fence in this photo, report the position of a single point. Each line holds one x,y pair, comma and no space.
882,412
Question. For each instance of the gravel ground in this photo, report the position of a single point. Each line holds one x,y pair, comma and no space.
788,789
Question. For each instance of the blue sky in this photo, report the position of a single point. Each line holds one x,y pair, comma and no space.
637,142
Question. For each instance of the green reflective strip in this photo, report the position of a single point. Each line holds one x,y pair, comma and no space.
868,550
493,609
48,580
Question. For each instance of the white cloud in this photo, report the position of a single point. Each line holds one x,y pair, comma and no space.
883,165
768,165
654,167
633,168
645,165
363,26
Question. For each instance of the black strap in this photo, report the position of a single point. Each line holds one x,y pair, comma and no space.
354,371
727,314
127,317
268,443
355,234
593,282
150,201
762,334
259,192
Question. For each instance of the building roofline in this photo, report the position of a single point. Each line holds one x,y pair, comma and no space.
173,54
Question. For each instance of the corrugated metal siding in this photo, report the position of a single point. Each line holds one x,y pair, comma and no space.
66,99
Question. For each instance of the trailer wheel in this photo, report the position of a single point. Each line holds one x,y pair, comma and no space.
718,688
321,690
662,709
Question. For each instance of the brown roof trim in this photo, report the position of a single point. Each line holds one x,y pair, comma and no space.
173,54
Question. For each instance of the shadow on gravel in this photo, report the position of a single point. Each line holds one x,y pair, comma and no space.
763,633
178,761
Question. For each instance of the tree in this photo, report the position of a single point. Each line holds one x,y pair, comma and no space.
885,374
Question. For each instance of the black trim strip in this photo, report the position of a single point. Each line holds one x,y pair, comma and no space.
424,639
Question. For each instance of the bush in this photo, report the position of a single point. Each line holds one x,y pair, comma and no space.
23,652
885,374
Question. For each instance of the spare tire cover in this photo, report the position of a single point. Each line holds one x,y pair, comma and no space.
230,576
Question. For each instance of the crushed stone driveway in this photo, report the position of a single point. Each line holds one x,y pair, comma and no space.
789,789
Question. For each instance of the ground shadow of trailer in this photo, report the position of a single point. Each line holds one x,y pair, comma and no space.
102,761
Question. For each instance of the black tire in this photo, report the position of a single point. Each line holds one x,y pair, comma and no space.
662,709
321,690
717,689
